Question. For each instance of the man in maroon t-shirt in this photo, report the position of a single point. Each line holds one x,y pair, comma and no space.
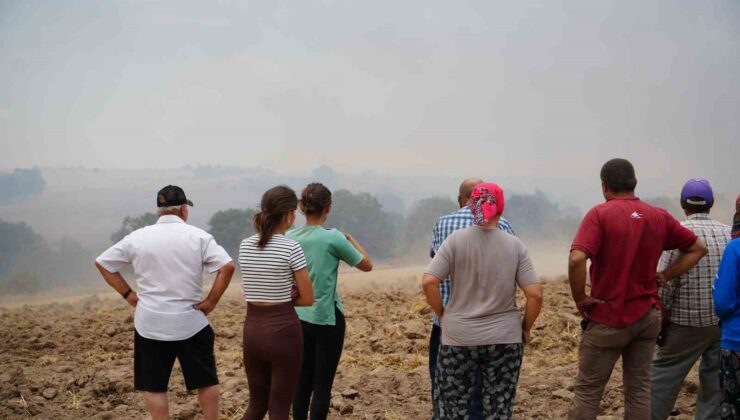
624,239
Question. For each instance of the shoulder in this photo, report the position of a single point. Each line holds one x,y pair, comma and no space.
443,219
296,234
504,224
454,236
463,213
142,233
663,213
250,240
513,241
660,212
721,226
332,236
731,254
733,246
595,212
197,231
601,207
284,241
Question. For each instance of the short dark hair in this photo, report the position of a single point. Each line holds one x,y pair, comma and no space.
619,175
696,208
315,198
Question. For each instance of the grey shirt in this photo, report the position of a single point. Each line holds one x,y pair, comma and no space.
485,267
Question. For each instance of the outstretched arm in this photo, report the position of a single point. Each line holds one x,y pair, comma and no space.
366,264
217,290
119,284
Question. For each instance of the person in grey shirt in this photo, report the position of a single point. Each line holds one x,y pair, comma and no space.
481,326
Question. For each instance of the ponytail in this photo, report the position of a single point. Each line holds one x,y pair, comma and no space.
276,203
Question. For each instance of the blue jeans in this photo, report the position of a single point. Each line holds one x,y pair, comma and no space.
476,409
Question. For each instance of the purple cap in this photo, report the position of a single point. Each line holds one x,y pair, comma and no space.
697,192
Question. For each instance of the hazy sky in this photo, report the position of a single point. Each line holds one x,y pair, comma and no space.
523,87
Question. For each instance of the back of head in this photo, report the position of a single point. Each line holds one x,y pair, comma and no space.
697,196
276,203
315,199
466,188
486,203
619,176
171,200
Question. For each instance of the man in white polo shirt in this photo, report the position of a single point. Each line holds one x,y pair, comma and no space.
170,318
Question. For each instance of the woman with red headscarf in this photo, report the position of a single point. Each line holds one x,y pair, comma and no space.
481,326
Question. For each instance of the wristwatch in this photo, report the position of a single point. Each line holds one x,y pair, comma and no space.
128,292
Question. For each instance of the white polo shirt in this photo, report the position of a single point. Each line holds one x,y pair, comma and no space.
168,260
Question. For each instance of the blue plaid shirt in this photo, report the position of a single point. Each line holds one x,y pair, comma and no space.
442,229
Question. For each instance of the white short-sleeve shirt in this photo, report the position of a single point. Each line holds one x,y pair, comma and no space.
168,259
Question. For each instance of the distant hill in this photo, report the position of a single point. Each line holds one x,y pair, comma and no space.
89,204
21,183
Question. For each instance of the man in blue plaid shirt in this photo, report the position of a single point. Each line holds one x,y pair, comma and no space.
443,228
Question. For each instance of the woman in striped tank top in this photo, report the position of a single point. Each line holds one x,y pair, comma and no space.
274,280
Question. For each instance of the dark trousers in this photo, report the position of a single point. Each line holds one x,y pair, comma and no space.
273,344
322,349
476,409
729,380
683,346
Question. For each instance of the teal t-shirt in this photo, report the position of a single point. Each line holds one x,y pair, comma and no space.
323,248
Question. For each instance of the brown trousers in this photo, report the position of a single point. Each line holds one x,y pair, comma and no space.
601,346
273,354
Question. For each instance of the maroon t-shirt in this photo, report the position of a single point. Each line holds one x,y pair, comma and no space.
624,239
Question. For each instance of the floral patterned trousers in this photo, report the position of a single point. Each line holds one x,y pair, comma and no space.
456,370
729,380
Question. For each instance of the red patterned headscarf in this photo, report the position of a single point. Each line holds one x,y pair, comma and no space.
486,202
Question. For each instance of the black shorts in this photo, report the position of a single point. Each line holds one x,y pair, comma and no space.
153,361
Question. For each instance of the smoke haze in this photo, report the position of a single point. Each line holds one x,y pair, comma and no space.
112,100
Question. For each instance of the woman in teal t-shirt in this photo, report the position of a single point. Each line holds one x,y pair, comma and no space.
323,323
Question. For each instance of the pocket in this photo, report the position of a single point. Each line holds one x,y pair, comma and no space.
655,325
665,327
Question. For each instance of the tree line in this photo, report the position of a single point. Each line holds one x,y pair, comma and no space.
389,234
29,263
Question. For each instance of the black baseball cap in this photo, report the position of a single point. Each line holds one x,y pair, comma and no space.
172,195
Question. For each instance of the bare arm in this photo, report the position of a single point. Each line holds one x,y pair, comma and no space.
533,295
431,291
304,288
366,264
577,277
223,278
119,284
685,262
